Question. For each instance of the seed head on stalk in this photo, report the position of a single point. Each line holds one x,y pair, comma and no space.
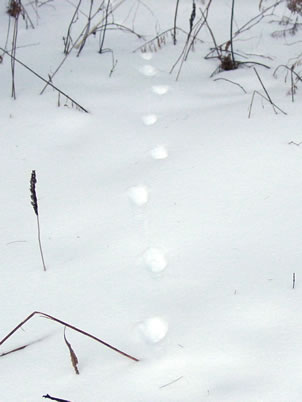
34,203
33,194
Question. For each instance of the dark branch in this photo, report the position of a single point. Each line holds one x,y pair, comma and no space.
47,396
69,326
43,79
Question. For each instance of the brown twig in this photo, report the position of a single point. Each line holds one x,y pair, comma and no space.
44,315
103,33
73,356
262,96
43,79
232,82
22,347
13,350
47,396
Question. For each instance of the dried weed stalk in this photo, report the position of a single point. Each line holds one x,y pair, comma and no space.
65,324
68,42
44,80
21,347
14,10
292,27
295,6
160,40
295,77
225,52
91,29
73,356
266,97
194,29
175,22
34,203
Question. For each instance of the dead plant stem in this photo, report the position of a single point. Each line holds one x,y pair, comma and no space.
44,315
43,79
39,241
175,22
87,28
231,32
105,27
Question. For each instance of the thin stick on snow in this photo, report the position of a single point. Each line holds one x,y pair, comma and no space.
232,82
50,317
171,382
102,39
262,96
22,347
43,79
231,33
47,396
267,94
294,280
175,22
264,89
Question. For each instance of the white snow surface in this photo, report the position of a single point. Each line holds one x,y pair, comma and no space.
171,223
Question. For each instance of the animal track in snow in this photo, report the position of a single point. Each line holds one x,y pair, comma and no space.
149,119
160,89
147,56
139,195
148,70
153,329
159,152
155,260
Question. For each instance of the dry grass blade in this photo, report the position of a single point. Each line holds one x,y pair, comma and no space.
50,317
21,347
73,356
13,350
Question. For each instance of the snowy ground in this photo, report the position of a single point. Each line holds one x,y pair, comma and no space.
171,223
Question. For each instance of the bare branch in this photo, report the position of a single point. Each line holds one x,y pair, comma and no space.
44,315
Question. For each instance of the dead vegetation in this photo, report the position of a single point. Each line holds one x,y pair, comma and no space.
73,356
